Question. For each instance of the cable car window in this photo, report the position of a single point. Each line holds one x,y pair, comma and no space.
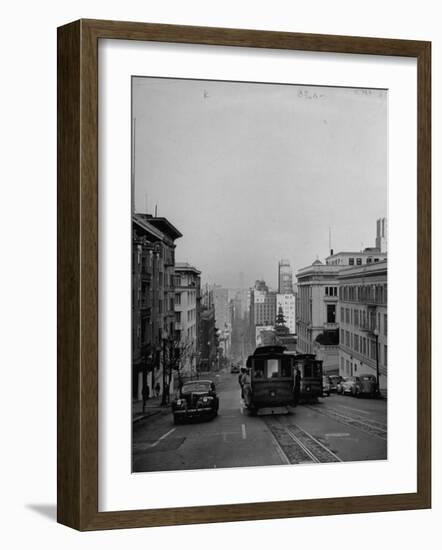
308,371
272,368
286,368
258,368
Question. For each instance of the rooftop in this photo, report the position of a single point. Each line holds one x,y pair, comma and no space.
184,266
361,270
161,224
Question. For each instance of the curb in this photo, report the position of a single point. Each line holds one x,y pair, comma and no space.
145,415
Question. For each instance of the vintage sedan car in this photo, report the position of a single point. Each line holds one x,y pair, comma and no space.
340,385
195,399
367,385
360,385
350,386
335,380
326,386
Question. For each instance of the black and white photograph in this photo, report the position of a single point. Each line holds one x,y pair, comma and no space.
259,274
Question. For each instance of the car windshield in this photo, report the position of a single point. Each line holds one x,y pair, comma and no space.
196,386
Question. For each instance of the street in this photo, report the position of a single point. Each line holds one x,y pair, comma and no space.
335,429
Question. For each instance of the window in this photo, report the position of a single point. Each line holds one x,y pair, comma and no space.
351,261
376,260
385,355
178,316
331,313
369,260
385,324
342,314
358,261
178,298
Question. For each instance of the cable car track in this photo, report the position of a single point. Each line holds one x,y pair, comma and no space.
298,446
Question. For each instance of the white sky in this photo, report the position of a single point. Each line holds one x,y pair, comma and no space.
251,173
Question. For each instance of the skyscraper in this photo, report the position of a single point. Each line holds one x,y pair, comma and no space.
285,277
381,235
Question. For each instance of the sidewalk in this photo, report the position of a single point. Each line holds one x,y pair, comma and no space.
152,407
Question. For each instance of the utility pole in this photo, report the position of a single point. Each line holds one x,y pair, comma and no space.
376,335
164,397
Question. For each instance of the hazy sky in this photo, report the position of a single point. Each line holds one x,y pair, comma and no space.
251,173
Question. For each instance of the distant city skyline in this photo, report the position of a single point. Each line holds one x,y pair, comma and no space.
253,173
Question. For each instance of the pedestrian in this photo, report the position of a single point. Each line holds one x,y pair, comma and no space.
157,389
145,394
240,381
297,386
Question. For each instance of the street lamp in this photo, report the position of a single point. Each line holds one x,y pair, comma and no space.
376,335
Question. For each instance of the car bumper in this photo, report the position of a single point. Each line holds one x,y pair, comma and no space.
190,413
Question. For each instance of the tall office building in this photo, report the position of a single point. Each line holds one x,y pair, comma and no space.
285,278
381,235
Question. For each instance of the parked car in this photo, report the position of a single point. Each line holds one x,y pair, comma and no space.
195,399
367,385
335,380
360,385
326,386
340,384
351,386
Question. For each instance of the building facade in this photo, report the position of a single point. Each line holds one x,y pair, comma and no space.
285,277
153,301
187,315
363,321
221,303
208,342
316,313
287,302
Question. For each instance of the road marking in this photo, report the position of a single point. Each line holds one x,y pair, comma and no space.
163,437
243,429
337,435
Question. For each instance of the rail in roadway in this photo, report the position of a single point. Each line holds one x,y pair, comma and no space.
296,445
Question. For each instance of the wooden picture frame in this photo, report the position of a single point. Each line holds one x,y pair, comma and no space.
78,274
